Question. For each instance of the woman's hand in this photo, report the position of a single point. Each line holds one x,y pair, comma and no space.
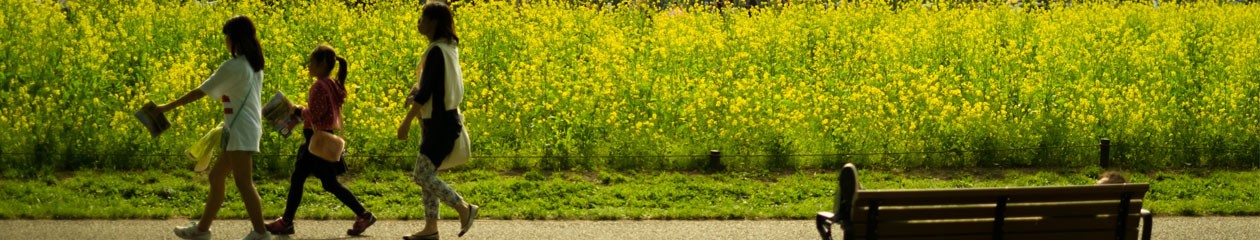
403,130
411,94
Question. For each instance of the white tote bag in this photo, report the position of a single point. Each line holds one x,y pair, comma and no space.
461,152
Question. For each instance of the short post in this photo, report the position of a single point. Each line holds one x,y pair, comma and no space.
715,161
1104,154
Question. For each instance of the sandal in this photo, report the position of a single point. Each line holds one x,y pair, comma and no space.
417,236
465,225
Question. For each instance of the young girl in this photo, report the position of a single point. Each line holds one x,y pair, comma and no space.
441,89
236,84
325,98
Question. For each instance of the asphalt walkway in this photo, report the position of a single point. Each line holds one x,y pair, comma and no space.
1165,228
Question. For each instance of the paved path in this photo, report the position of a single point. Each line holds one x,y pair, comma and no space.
1165,228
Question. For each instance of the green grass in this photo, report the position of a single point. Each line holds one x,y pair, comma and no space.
582,195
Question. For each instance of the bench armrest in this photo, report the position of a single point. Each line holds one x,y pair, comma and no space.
1146,224
823,222
846,193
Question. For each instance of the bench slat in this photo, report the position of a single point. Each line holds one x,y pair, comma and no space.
1014,199
1027,191
936,212
991,195
982,227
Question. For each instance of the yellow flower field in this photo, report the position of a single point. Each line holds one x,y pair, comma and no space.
568,85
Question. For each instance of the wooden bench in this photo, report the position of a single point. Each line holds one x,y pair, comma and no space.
1064,212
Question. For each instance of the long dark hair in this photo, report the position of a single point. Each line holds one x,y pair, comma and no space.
443,20
240,30
324,55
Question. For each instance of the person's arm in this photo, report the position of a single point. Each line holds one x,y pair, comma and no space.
415,88
187,98
431,77
213,86
405,128
431,74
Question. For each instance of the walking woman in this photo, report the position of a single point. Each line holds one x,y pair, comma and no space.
325,99
237,85
436,101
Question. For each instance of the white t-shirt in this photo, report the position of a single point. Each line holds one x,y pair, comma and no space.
236,82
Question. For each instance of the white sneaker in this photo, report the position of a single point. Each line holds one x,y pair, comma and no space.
191,232
257,236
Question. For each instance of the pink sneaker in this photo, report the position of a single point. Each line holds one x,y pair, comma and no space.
361,224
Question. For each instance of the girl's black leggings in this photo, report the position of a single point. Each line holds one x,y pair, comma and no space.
308,164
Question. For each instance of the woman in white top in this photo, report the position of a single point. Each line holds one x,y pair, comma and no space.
436,101
237,85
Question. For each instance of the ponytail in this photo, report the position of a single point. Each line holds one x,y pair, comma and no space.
341,71
325,56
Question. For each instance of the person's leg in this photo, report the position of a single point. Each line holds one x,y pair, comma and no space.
431,205
243,172
429,201
363,218
217,179
435,190
333,186
297,182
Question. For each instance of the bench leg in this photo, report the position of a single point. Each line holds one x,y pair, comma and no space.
823,222
1146,224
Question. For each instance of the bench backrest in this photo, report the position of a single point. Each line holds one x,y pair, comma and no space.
1065,212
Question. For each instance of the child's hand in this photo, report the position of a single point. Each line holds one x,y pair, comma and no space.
297,110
